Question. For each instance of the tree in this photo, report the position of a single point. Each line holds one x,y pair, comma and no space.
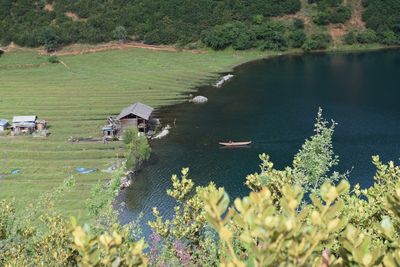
312,165
314,161
120,34
138,149
49,38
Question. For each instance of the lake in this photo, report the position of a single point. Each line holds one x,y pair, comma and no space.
274,103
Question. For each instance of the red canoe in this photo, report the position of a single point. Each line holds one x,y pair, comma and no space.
230,143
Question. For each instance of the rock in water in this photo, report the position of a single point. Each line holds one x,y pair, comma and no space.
199,99
223,80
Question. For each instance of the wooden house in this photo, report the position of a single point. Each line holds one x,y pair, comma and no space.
4,125
23,124
136,115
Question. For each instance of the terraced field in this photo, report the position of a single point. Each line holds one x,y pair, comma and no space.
76,98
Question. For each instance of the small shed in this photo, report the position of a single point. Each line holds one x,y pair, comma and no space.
136,115
4,125
109,132
24,124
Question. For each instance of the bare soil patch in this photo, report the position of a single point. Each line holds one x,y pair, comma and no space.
48,7
356,16
337,33
74,16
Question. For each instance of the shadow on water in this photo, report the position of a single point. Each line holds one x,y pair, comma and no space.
274,103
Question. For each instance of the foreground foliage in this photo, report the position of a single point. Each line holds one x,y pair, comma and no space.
299,216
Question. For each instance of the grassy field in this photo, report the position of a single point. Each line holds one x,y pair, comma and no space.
76,100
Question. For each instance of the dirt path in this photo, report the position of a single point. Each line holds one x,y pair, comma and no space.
356,16
78,49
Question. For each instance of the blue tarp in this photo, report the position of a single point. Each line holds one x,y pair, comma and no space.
83,170
16,171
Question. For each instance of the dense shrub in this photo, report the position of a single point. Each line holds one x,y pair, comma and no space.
390,38
120,33
317,41
366,37
297,38
180,22
49,38
340,14
53,59
244,40
350,37
269,35
137,148
330,11
298,24
382,15
321,18
222,36
156,21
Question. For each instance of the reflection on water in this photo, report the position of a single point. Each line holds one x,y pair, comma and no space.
274,103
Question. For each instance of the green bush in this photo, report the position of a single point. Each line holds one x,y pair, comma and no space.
350,37
297,38
366,37
298,24
389,38
317,41
53,59
120,33
218,37
382,15
321,18
245,40
49,38
340,14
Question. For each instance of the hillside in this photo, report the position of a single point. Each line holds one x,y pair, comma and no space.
262,24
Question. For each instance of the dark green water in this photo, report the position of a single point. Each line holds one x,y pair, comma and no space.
274,103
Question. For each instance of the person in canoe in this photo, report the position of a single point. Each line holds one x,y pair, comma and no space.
231,143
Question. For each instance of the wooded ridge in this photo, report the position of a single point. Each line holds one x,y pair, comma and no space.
242,24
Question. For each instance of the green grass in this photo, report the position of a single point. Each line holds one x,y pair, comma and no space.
77,101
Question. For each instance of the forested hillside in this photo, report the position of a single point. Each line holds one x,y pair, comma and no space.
243,24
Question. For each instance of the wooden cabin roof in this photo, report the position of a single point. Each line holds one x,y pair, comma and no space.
138,109
18,119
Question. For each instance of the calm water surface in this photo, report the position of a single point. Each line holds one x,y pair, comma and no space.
274,103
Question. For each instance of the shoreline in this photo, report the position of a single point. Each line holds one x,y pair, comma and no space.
293,52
